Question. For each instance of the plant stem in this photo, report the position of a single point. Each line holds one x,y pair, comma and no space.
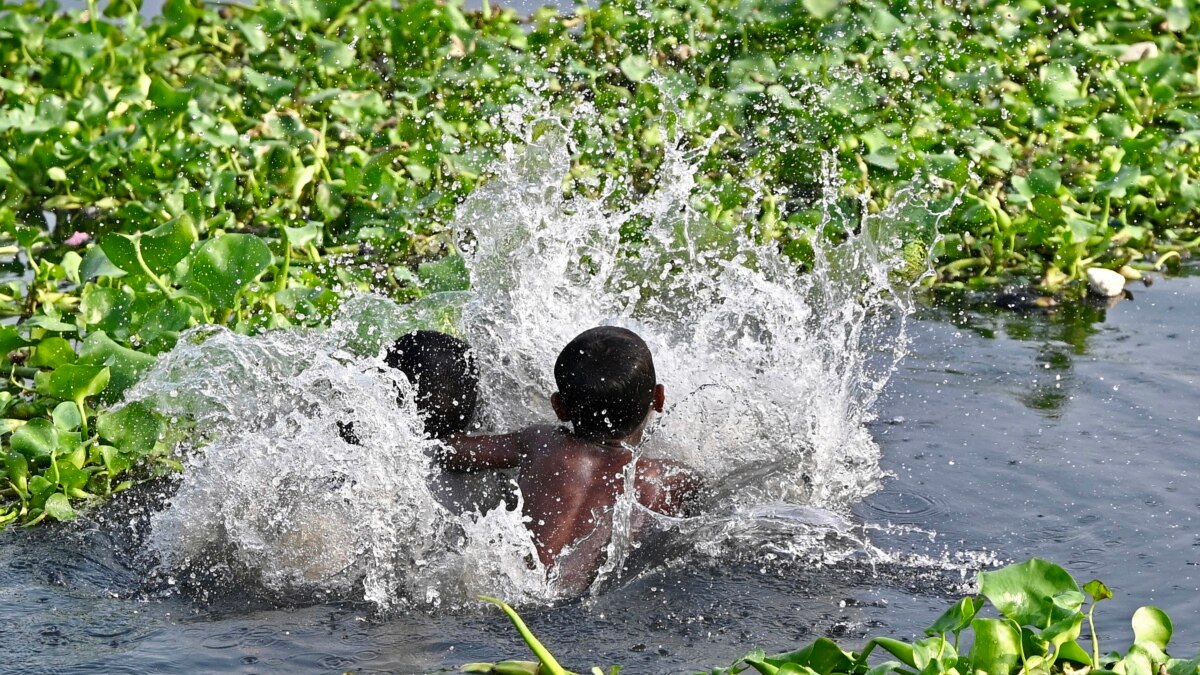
166,288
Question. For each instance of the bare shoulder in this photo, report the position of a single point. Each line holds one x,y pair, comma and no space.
554,449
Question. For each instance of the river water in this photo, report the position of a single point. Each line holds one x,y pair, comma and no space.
1068,435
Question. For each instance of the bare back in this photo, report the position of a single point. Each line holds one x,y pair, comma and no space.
570,486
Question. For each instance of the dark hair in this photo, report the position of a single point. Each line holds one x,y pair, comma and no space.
442,369
606,382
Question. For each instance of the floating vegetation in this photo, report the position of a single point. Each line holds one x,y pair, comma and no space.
1036,628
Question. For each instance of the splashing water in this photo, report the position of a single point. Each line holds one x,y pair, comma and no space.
771,376
777,364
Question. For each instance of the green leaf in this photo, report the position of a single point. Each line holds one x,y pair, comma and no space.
997,646
1069,600
1071,651
957,617
59,508
1060,83
898,649
448,274
167,97
160,249
75,382
52,324
1024,592
67,475
134,429
81,48
125,365
1044,181
66,416
1138,661
1049,209
96,264
1151,626
1097,590
165,319
884,158
119,8
106,309
182,15
823,655
10,339
1064,631
1182,667
52,353
1118,185
221,267
36,440
1178,17
636,68
820,8
299,237
16,467
933,653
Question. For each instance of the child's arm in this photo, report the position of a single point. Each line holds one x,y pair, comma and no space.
472,453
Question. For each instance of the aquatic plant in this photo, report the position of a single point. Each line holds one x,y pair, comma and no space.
1037,627
246,165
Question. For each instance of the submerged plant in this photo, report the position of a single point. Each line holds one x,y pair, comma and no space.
1038,607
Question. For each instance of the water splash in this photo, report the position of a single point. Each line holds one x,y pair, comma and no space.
273,494
782,367
771,376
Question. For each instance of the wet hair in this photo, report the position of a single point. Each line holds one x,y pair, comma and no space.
606,381
442,369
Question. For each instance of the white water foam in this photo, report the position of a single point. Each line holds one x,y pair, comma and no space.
771,376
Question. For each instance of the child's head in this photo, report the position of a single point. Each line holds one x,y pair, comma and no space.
442,369
606,383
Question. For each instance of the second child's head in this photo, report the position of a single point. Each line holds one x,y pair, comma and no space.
442,370
606,384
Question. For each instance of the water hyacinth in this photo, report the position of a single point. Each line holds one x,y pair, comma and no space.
225,173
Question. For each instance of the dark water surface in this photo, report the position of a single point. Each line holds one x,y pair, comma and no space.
1071,436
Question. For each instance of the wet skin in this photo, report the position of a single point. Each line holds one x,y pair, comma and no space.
571,484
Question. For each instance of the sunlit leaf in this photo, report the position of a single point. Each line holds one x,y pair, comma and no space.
221,267
1024,592
157,250
956,618
75,382
36,440
58,507
124,365
997,646
134,429
1151,626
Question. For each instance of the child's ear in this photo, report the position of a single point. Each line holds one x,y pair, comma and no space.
660,397
560,409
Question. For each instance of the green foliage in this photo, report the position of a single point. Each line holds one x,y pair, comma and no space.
233,164
1025,596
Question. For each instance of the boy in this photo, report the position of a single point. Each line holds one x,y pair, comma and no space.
570,480
445,380
442,371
